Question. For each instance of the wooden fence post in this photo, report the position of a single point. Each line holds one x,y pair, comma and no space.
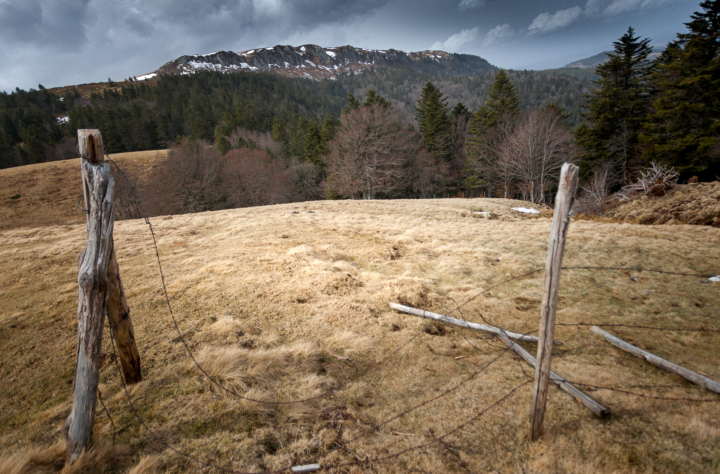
98,188
91,149
551,285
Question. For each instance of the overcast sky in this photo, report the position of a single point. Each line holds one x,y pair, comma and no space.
64,42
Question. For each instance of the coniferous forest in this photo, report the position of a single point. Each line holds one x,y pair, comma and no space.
432,135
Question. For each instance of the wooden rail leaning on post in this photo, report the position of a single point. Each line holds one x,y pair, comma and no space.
551,285
705,382
567,387
100,291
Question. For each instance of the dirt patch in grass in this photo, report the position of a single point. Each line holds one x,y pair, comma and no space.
697,204
280,307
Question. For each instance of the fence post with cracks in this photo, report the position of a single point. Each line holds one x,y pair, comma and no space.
100,291
551,285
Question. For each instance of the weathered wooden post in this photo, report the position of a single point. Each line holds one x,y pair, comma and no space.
98,188
118,312
100,290
551,285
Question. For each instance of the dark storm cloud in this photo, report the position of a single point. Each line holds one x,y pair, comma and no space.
49,41
52,24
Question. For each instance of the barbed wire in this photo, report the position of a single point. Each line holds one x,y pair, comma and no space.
377,427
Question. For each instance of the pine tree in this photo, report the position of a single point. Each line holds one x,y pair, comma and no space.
434,122
375,98
503,99
460,109
684,131
313,143
352,104
616,110
487,128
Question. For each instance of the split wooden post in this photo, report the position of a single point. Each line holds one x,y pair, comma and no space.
118,311
551,285
98,188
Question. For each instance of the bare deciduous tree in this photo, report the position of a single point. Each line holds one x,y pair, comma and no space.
371,153
254,178
186,181
533,153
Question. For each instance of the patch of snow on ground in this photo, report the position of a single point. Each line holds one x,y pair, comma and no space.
209,54
63,119
146,76
248,52
302,48
526,210
330,53
715,279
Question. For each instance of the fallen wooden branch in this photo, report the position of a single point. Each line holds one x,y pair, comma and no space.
693,377
589,403
460,322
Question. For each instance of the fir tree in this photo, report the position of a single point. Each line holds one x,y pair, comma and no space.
434,122
684,131
313,143
503,99
460,109
375,98
616,110
352,104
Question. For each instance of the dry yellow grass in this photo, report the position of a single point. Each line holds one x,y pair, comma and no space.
271,302
49,192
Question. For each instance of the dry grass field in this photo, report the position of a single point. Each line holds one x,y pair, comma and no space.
48,193
289,302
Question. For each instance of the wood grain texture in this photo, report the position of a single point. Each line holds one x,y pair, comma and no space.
93,294
705,382
461,323
121,325
567,387
551,285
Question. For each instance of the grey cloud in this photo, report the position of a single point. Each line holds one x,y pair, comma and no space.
55,24
545,22
468,4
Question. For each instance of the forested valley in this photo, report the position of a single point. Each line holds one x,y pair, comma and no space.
248,139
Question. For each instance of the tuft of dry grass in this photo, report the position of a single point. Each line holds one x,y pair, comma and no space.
283,306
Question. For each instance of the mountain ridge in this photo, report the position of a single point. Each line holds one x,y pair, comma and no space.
315,62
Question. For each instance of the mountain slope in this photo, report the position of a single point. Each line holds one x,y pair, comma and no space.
313,61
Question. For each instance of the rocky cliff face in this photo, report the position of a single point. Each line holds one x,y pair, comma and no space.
312,61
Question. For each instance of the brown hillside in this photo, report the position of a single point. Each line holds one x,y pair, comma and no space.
697,204
49,192
289,302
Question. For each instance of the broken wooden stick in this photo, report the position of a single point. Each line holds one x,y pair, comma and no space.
566,386
460,322
703,381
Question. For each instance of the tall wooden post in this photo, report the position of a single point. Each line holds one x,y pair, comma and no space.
98,188
91,149
100,291
551,285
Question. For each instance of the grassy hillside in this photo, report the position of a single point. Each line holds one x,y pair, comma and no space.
51,193
281,303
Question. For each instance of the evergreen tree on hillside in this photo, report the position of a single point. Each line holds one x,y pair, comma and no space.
684,129
488,127
375,98
434,122
616,110
460,109
503,99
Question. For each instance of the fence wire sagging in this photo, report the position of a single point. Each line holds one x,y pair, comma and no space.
450,307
